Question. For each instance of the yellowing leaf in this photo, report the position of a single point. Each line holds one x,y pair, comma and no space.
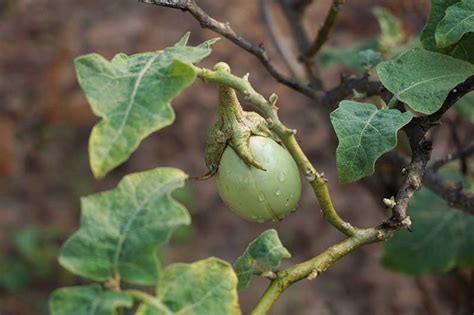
132,95
120,229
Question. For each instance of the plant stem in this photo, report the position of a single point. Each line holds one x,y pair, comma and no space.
324,31
149,299
269,111
310,269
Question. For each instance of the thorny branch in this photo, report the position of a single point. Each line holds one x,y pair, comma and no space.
467,152
453,192
225,30
294,11
278,40
415,172
421,149
325,30
416,131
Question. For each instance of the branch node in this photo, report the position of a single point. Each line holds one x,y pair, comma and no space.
269,275
389,202
347,225
310,176
313,274
406,223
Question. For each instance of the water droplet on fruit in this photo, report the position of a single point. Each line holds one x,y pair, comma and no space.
277,193
282,177
261,197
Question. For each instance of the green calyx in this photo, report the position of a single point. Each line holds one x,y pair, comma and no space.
234,127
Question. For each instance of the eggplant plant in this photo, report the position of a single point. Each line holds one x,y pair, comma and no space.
258,165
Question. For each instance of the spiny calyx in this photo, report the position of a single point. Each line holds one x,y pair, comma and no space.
234,127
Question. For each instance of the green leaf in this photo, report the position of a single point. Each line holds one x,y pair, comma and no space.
465,106
364,133
262,255
442,238
369,59
348,56
391,30
120,229
464,49
132,95
87,300
205,287
458,21
423,79
438,9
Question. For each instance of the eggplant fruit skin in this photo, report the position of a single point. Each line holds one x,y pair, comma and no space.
258,195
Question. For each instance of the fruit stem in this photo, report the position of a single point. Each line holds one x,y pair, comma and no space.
229,110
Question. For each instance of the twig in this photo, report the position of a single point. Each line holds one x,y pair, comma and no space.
294,12
348,86
150,300
421,152
312,268
278,40
225,30
421,149
467,152
453,126
452,192
324,31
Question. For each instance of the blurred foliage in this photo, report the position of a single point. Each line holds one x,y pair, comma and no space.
364,55
34,253
442,237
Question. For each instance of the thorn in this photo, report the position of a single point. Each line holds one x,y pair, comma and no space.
406,223
313,274
208,175
273,99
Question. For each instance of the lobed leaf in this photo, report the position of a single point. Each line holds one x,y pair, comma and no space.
438,9
206,287
263,254
423,79
132,95
457,21
120,229
364,134
442,238
87,300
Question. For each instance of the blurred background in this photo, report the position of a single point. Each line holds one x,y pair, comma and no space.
44,128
